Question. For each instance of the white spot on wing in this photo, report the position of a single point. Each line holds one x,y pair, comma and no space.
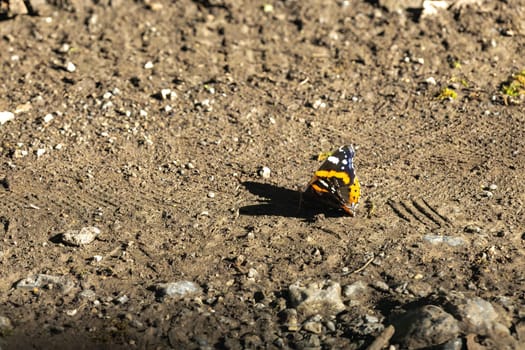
333,160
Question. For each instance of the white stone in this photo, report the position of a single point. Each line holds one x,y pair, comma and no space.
6,116
70,67
40,152
80,237
265,172
48,117
165,94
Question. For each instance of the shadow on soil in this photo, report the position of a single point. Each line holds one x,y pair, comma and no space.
280,201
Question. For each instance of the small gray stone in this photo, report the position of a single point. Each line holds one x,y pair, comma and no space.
472,229
330,326
121,299
43,280
450,240
356,290
87,294
5,325
313,327
264,172
6,116
380,285
178,289
419,288
80,237
318,298
290,320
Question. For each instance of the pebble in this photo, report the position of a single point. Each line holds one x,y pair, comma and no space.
80,237
438,239
6,116
419,288
318,104
318,298
122,299
179,289
264,172
211,194
355,290
330,326
40,152
431,81
380,285
290,320
20,153
70,67
148,65
167,94
87,294
425,326
48,117
313,327
5,325
488,194
71,312
43,280
472,229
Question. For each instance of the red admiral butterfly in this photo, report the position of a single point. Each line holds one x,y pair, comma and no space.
335,183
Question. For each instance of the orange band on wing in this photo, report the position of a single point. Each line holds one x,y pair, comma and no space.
332,173
354,192
318,189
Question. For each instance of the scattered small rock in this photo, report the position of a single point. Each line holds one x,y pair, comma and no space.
40,152
121,299
148,65
80,237
431,81
70,67
43,280
87,294
48,117
318,298
264,172
178,289
488,194
472,229
6,116
167,94
380,285
313,327
449,240
5,325
318,104
356,290
290,320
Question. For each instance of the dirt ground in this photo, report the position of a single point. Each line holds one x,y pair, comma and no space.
172,177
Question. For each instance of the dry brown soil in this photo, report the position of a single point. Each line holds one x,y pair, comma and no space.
174,186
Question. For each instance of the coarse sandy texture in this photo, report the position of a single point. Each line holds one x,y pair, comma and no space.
171,177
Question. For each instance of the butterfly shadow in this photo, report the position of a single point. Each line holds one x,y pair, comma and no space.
284,202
